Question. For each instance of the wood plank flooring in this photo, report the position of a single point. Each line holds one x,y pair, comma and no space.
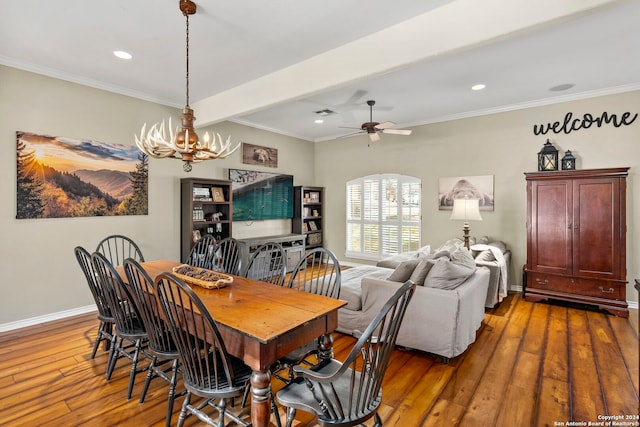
533,364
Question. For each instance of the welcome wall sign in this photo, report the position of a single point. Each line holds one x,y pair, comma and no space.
570,124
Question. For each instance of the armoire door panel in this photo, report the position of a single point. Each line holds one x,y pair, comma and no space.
596,239
552,207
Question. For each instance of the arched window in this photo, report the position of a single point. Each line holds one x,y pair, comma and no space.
383,215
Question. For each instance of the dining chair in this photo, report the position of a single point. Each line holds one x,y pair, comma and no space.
208,371
116,248
317,272
130,334
227,259
267,264
161,346
203,253
349,393
105,330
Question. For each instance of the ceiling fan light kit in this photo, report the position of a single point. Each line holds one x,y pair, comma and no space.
184,143
373,129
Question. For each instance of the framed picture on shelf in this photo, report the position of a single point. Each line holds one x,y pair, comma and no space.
218,194
314,197
313,226
304,227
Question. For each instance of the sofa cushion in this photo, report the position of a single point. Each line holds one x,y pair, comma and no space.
449,273
421,271
394,260
350,286
404,270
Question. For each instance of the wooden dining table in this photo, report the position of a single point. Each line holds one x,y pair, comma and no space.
260,322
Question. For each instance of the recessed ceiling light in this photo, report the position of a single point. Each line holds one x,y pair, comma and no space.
479,86
560,88
318,121
122,54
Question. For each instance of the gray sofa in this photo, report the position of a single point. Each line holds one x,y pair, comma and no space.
438,321
494,255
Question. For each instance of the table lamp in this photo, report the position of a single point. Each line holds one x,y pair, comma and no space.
466,210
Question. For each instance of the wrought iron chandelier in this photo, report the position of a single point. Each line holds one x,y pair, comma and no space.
184,143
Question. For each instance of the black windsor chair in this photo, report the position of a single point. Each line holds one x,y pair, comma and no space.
161,346
129,327
349,393
227,259
116,248
317,272
267,264
105,330
208,371
203,253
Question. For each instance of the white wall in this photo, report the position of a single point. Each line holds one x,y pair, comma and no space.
40,273
502,145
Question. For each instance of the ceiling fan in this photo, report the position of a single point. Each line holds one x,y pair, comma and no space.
373,129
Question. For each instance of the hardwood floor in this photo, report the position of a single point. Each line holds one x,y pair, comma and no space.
533,364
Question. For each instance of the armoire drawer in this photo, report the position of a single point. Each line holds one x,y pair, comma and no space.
579,286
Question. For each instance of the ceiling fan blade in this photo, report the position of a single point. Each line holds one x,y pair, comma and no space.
354,98
373,137
385,125
349,127
397,131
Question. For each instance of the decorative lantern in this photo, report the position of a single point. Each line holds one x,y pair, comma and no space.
548,157
568,161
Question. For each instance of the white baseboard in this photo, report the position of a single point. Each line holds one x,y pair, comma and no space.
46,318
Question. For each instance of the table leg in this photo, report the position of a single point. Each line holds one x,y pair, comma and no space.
325,347
260,398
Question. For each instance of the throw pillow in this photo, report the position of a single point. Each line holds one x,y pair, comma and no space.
403,271
463,257
424,251
421,271
485,256
449,273
482,254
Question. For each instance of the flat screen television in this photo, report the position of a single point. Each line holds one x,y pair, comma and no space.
261,195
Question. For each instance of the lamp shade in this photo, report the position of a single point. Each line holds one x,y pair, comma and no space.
466,210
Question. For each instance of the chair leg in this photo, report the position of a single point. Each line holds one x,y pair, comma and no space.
116,344
377,420
148,379
291,414
134,367
172,391
222,409
99,338
276,414
183,411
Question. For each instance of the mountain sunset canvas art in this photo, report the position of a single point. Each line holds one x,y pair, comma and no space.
60,177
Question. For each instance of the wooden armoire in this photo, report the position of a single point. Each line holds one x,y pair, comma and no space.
576,244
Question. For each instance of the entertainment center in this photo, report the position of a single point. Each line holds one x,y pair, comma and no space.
210,206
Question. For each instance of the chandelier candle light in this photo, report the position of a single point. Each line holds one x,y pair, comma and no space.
466,210
184,143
